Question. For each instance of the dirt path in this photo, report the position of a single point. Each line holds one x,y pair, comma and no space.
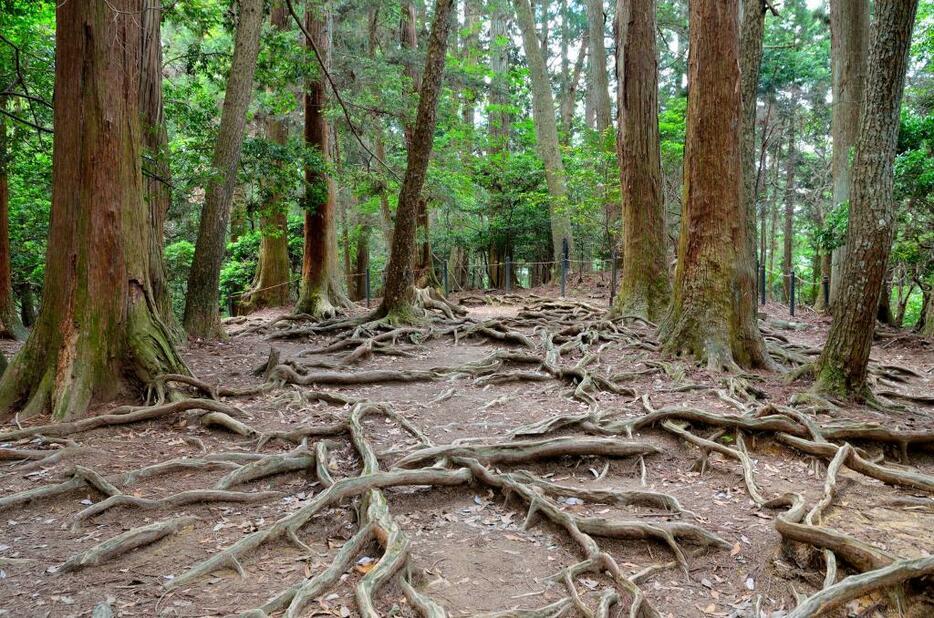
700,544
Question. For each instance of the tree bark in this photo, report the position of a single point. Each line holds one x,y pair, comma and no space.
398,295
644,289
712,315
546,131
849,36
201,308
10,324
98,334
321,293
843,363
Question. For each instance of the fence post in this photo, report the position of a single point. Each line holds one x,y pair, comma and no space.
444,277
612,276
564,265
366,284
508,274
762,284
791,295
825,283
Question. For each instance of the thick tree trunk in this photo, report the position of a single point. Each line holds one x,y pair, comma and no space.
99,333
849,39
546,131
271,282
750,60
320,294
712,315
10,323
158,183
843,363
201,308
398,295
644,289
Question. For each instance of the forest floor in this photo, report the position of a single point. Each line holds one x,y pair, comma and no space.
682,525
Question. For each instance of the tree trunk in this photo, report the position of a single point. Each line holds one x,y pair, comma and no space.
27,305
849,36
201,308
791,162
644,289
598,71
408,33
569,102
712,315
321,292
10,324
750,60
361,262
398,295
546,131
844,360
98,334
499,83
158,183
925,325
271,282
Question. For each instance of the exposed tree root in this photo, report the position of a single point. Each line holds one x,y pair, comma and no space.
123,543
859,585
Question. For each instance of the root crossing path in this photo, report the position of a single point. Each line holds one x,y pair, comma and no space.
528,456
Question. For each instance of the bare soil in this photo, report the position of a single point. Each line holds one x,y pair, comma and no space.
468,542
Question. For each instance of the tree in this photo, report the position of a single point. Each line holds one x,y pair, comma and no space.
546,130
791,161
158,182
10,324
598,72
849,36
271,282
644,289
712,314
201,307
399,292
843,364
321,291
99,332
750,61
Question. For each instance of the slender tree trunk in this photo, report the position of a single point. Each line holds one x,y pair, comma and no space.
600,80
157,189
271,282
499,83
10,324
712,315
925,325
849,37
321,292
98,334
791,162
569,102
750,60
844,360
884,314
201,309
644,289
398,295
361,262
546,131
27,305
408,33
